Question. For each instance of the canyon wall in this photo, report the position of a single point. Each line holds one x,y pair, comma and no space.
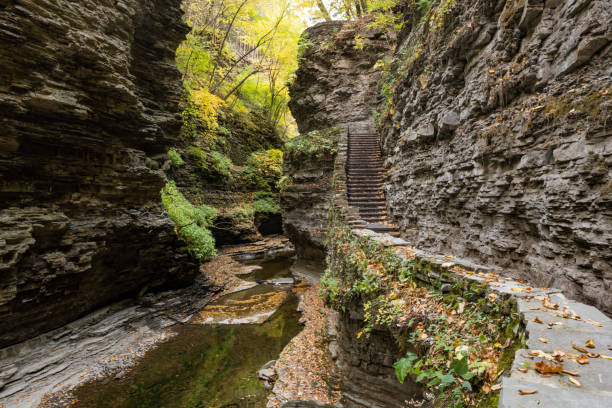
89,98
498,140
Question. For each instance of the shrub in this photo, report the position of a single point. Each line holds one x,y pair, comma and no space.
191,222
199,156
284,182
263,169
242,214
175,157
266,205
313,144
221,164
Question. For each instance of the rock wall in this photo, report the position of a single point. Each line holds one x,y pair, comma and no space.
88,104
366,364
498,140
336,85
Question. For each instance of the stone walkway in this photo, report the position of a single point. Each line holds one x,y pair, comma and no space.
558,331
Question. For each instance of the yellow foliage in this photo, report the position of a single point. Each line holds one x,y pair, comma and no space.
207,105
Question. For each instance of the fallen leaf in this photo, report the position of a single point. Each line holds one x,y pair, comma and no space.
583,360
594,323
606,357
543,340
540,353
517,289
496,387
547,304
522,370
593,355
580,349
574,381
575,374
590,343
547,368
522,392
558,354
537,320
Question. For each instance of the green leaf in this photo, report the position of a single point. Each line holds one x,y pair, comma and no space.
446,380
467,385
403,366
460,367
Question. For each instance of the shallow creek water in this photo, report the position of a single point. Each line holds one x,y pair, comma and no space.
210,365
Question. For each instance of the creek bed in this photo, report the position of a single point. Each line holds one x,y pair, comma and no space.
209,365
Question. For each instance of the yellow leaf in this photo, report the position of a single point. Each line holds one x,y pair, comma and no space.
574,381
359,334
594,323
590,343
583,360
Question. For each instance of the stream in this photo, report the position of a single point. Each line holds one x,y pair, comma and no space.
209,359
211,365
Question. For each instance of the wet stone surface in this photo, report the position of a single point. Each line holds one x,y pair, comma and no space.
154,351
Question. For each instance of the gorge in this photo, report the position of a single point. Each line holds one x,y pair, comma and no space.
154,155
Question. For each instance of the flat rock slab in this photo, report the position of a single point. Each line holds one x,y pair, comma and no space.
548,397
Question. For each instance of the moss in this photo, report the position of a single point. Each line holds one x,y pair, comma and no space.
175,157
558,108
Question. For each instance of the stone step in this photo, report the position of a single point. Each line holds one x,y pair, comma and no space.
369,206
372,212
365,180
368,199
372,173
363,187
367,194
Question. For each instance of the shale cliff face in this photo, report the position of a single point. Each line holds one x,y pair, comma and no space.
88,104
336,86
498,140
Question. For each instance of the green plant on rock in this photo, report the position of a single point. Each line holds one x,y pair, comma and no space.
453,346
242,214
199,156
175,157
263,169
266,203
316,144
284,182
221,164
192,222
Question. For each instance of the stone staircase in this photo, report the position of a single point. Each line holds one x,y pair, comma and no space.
365,183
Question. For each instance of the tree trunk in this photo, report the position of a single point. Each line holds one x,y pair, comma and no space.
323,10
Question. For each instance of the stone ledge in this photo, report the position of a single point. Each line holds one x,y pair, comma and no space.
581,322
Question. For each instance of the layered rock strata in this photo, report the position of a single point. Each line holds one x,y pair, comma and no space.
336,85
498,141
88,104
